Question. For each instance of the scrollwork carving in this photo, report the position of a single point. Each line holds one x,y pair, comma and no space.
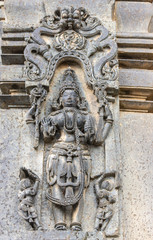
74,55
69,128
104,69
71,29
69,40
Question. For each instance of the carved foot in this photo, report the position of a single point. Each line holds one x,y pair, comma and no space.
40,228
76,227
60,226
36,225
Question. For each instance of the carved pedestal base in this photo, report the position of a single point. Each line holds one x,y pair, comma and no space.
59,235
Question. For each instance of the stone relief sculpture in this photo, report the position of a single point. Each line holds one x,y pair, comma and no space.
104,187
29,183
71,30
69,127
37,96
69,162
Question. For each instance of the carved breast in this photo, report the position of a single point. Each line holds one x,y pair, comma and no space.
67,120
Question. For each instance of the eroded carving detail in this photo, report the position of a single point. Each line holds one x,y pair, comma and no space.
71,29
69,163
104,188
29,183
69,128
74,55
37,96
69,40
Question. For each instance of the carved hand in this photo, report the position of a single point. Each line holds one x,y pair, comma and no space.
33,176
52,130
21,195
103,193
107,112
48,127
44,124
112,199
32,191
100,194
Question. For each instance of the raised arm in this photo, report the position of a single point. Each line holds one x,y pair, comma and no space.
34,189
105,124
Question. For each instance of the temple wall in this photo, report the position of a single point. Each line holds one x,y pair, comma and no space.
137,167
16,151
129,147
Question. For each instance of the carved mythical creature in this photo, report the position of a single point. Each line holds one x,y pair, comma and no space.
29,183
68,165
103,187
72,30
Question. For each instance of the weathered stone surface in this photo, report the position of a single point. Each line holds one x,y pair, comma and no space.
133,16
136,53
150,28
16,150
134,42
24,13
134,19
136,78
54,235
137,181
136,90
103,9
11,73
135,63
12,54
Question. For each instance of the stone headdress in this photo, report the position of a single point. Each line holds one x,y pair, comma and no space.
69,81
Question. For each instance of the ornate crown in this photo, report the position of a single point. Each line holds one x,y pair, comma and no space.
69,81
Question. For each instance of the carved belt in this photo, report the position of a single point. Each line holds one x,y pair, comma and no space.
68,145
68,149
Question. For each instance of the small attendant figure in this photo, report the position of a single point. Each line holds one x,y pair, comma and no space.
103,188
29,183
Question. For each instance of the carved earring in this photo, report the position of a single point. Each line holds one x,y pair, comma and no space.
60,101
78,102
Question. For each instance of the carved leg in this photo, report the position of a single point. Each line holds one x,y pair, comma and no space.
59,217
57,192
37,224
58,211
77,215
105,223
97,224
34,218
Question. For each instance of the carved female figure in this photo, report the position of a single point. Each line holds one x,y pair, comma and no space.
68,165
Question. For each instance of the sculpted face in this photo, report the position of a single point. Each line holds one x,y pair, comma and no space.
25,183
69,98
